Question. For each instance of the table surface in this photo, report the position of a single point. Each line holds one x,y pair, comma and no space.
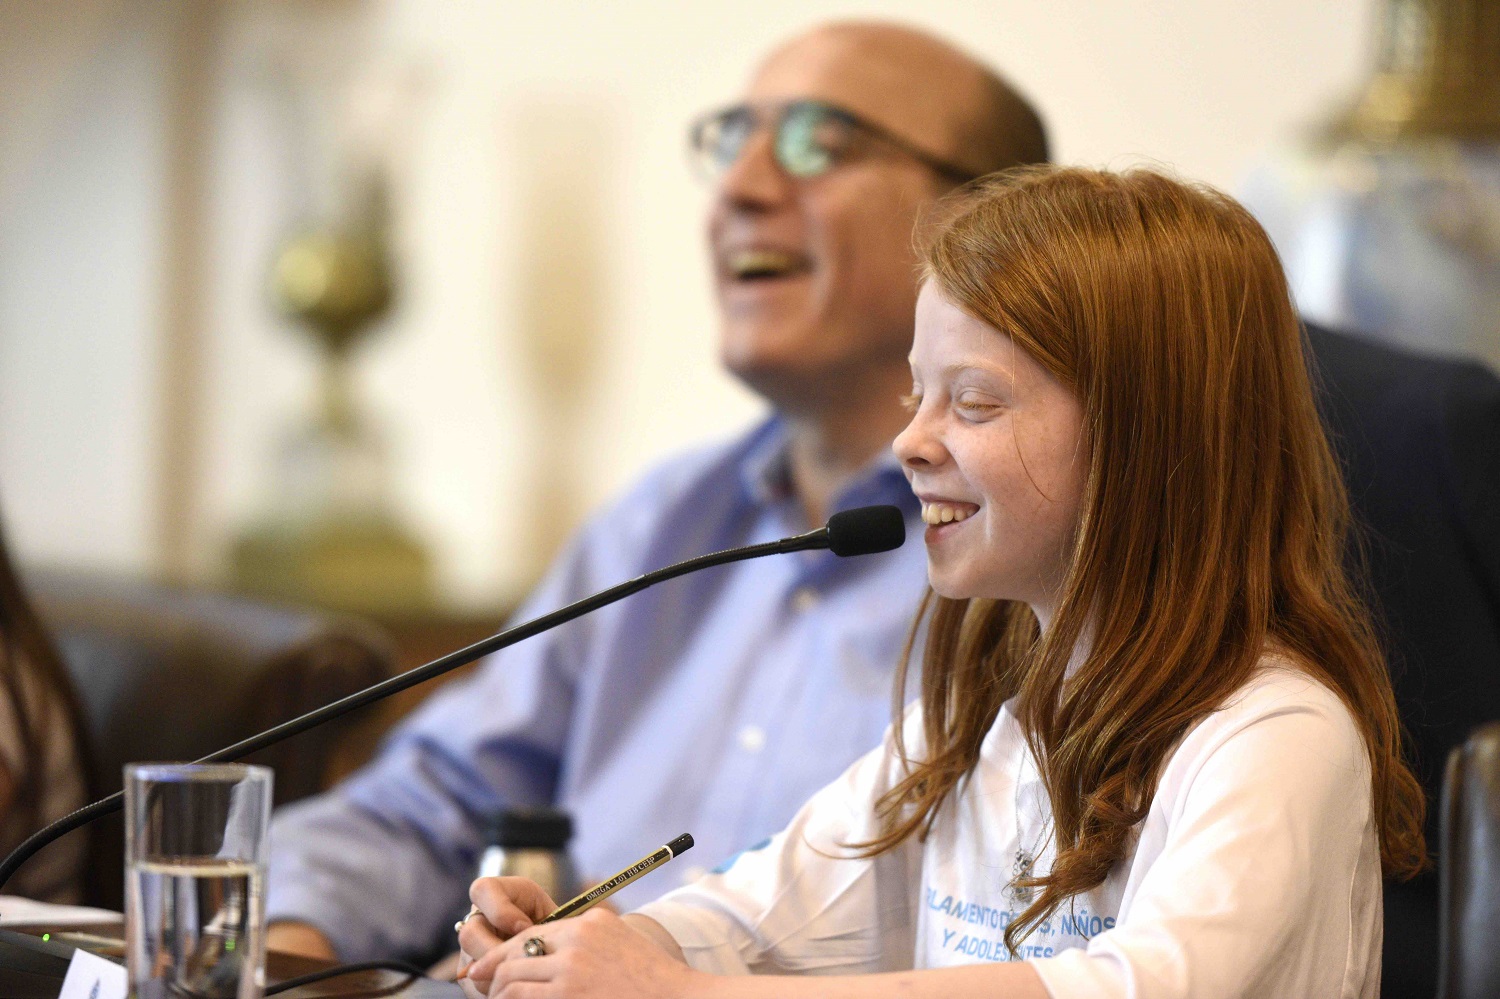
279,967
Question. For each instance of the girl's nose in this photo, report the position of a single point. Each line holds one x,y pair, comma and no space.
916,446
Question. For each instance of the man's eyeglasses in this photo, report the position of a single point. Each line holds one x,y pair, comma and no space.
810,138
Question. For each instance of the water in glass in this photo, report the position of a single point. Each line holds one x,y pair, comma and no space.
198,926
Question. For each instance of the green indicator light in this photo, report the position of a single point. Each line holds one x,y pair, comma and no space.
46,937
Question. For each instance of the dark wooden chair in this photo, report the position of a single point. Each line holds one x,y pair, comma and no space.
164,673
1469,874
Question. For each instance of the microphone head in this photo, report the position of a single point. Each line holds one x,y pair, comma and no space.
866,530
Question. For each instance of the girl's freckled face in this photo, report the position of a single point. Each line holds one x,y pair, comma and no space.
994,451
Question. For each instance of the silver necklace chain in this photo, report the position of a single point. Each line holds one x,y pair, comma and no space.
1025,860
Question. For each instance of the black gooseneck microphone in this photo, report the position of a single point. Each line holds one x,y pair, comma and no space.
862,531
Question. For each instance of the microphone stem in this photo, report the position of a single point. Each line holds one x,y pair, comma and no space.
453,660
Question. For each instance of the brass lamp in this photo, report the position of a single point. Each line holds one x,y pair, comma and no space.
1437,74
330,536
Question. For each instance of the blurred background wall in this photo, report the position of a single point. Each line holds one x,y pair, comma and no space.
552,329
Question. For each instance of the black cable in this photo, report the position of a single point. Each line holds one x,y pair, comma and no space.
346,969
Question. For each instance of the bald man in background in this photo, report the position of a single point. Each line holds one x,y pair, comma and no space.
714,705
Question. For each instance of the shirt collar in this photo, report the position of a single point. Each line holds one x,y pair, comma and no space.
766,473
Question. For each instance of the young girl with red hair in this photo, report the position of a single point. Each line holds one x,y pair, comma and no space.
1156,751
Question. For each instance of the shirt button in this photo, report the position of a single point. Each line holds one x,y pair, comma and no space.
752,738
693,873
805,599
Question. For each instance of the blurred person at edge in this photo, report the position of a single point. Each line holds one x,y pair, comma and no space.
42,750
714,705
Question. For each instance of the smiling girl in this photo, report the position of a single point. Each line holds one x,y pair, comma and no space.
1156,752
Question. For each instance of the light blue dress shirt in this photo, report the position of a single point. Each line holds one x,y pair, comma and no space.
713,704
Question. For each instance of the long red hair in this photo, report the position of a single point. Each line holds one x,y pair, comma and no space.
1213,525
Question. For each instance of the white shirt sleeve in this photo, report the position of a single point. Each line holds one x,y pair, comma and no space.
1264,866
797,903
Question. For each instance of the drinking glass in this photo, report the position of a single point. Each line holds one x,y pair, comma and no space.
195,874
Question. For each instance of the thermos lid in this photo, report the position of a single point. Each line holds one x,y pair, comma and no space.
530,829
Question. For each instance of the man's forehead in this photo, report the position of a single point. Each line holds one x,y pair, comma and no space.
910,84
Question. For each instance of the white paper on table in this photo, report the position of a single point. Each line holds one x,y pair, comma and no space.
92,977
17,911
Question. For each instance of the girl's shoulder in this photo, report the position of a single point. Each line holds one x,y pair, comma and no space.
1283,703
1279,684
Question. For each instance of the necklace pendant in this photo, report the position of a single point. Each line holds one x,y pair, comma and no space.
1022,869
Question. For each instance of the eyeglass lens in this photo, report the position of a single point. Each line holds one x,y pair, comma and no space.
808,138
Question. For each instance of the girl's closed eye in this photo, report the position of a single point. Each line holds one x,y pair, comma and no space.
911,401
975,406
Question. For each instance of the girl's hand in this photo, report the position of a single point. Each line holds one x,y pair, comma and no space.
593,956
506,906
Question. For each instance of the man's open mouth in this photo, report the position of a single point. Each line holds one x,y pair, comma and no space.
764,265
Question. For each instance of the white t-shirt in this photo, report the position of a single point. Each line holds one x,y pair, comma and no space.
1255,873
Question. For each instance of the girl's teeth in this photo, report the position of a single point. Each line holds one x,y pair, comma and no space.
944,513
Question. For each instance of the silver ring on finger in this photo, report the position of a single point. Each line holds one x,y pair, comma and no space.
458,927
534,947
